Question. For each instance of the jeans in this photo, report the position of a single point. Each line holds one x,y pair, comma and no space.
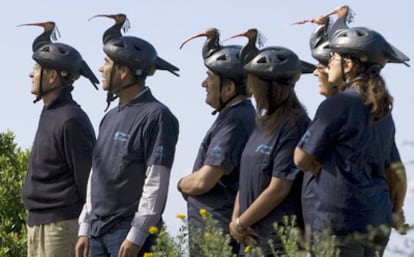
108,244
362,248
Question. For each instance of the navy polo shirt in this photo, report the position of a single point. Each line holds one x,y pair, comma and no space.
131,138
308,199
270,156
222,146
382,150
347,196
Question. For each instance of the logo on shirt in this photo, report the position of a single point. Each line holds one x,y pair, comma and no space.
160,151
216,153
305,138
264,149
121,136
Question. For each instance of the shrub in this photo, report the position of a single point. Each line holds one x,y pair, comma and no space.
13,162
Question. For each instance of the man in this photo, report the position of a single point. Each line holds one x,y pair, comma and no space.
213,184
54,189
132,158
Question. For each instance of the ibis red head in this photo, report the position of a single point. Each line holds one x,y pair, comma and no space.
341,11
211,44
50,32
121,24
250,50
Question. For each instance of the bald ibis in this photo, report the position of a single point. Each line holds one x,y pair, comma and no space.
211,44
250,50
50,32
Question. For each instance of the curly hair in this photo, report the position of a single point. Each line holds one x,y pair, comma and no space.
369,83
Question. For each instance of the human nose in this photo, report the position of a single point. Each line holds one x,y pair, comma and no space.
204,83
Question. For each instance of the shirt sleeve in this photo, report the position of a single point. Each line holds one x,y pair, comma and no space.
161,137
324,129
151,204
226,146
394,155
84,216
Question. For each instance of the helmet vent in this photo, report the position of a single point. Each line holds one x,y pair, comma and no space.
45,49
360,33
263,59
222,58
62,51
119,44
282,58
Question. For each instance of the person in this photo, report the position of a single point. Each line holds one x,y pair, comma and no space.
320,50
213,183
347,152
270,183
54,189
132,158
395,171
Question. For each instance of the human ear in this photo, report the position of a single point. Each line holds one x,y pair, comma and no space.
51,76
124,71
348,65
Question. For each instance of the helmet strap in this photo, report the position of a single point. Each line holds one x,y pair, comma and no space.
110,95
113,94
343,68
222,104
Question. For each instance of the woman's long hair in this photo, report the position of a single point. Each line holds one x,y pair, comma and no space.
371,86
277,100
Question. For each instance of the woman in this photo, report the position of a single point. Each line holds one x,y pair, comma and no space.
270,183
352,201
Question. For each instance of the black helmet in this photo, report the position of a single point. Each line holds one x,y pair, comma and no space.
59,56
64,58
133,52
276,63
226,63
367,45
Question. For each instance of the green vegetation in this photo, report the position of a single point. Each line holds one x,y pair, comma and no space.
211,241
13,162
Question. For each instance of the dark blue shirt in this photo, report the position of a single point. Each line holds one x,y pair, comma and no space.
131,138
382,150
270,156
308,200
347,196
222,146
60,162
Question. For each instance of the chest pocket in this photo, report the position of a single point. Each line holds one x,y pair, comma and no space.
264,166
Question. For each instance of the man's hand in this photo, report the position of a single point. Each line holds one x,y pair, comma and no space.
184,195
82,247
128,249
399,222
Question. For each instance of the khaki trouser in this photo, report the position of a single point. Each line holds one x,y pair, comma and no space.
56,239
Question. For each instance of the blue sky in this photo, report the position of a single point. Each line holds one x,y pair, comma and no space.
166,24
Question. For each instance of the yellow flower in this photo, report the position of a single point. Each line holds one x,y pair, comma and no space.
153,230
180,216
147,254
207,235
203,213
247,249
